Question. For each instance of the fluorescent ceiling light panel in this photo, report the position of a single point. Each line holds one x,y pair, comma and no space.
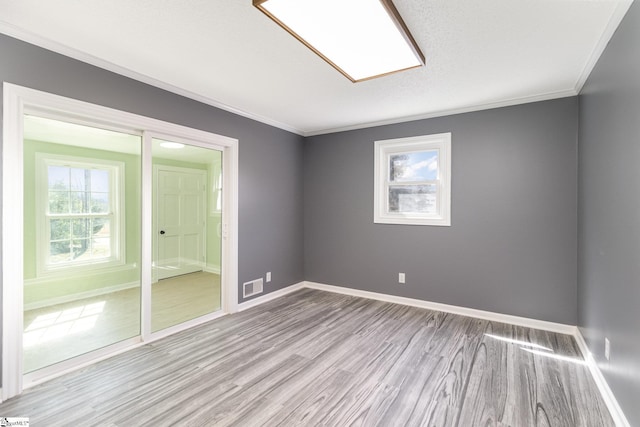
171,145
362,39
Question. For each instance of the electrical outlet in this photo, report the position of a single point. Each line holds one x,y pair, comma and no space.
401,278
268,277
607,348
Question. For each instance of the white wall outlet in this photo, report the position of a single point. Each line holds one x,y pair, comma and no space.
400,277
607,348
268,276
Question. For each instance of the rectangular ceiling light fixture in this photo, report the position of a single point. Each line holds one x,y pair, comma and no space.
362,39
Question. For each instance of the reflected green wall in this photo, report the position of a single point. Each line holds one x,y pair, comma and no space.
47,288
38,290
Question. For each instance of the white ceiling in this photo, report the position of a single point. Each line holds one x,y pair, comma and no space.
66,133
479,54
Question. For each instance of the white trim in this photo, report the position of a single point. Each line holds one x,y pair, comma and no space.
147,275
88,359
162,333
79,362
382,183
80,295
609,398
29,37
12,242
211,268
463,311
436,306
116,216
230,214
442,113
16,99
270,296
52,278
622,6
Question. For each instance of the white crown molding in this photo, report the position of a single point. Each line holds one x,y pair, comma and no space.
616,17
43,42
478,107
610,400
46,43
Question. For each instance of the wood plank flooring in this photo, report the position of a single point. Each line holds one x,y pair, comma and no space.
317,358
59,332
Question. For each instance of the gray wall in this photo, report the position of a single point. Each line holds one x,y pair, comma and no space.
270,159
512,244
609,220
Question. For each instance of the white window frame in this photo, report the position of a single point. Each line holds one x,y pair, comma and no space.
116,216
383,149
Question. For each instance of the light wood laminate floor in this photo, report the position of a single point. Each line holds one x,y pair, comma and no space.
316,358
58,332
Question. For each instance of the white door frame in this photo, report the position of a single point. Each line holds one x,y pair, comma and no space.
16,101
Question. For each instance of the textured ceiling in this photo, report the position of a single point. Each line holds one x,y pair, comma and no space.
479,54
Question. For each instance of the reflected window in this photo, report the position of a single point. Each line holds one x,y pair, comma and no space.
81,212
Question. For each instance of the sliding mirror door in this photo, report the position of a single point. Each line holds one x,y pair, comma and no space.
187,218
82,216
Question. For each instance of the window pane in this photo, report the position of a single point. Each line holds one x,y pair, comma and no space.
101,247
99,181
81,228
60,229
58,177
58,202
413,199
59,252
78,179
419,166
101,227
100,202
79,202
81,249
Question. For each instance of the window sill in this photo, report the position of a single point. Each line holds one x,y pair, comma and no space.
437,221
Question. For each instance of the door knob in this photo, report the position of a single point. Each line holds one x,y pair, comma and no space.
162,231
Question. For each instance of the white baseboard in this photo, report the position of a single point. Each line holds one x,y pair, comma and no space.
270,296
210,268
608,396
463,311
55,277
80,295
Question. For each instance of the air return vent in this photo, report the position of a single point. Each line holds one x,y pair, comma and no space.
252,288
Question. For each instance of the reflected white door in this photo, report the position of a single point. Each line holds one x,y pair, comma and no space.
181,221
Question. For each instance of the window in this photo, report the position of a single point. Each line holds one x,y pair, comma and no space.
413,180
81,212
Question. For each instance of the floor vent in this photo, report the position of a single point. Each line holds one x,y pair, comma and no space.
252,288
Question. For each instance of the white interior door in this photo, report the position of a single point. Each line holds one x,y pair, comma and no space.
181,221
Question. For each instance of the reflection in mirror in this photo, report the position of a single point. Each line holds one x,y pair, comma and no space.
187,206
81,239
